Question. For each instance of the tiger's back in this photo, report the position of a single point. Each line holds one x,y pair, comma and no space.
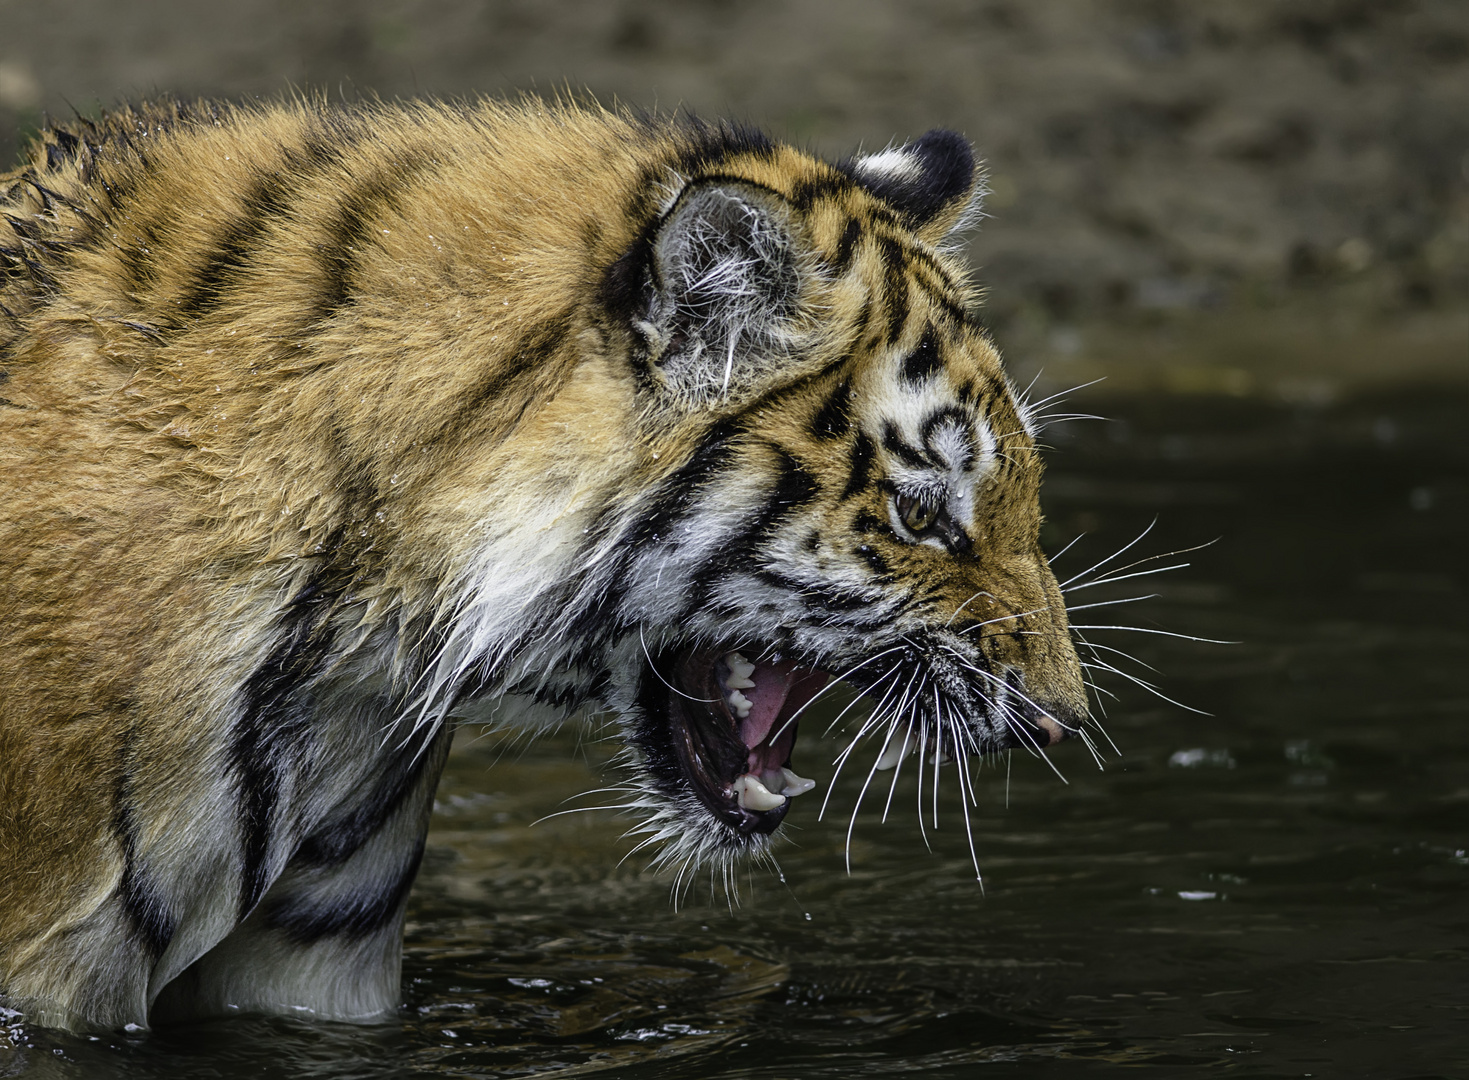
321,427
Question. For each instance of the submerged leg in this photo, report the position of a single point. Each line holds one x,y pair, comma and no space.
326,940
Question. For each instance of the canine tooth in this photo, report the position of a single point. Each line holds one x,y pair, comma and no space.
793,785
896,752
739,703
753,795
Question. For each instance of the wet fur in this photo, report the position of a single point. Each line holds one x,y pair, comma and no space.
319,427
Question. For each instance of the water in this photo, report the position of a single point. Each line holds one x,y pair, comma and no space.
1277,889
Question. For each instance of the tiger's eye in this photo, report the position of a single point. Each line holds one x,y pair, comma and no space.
916,514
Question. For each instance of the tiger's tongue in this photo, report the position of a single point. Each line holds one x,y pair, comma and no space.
779,690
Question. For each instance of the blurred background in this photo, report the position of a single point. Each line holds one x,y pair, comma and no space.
1290,178
1250,221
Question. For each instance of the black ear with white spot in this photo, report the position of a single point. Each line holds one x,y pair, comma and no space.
931,182
726,285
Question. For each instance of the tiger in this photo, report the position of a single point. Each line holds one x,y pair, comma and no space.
328,428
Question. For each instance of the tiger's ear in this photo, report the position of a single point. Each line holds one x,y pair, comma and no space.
931,182
725,289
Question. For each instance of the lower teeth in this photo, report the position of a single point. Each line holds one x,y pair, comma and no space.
753,795
770,789
794,785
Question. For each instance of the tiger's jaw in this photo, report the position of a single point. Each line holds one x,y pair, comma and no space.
714,731
719,730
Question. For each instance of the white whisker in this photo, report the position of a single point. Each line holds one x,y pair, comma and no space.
1070,544
1098,565
1149,687
1113,579
1111,603
1164,633
654,669
1094,648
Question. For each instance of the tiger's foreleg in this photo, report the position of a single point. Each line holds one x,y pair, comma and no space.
326,940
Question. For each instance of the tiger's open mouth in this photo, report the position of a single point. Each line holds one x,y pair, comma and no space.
732,725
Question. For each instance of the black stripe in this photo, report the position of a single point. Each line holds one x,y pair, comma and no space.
28,256
867,522
336,838
676,495
806,192
570,695
937,284
273,726
360,914
950,307
833,419
863,453
63,150
895,273
847,246
137,256
918,267
874,559
145,909
626,288
872,622
49,198
900,448
921,261
600,620
925,361
348,228
268,198
235,245
794,487
527,358
827,598
709,145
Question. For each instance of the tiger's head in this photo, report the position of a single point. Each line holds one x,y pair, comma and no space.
847,489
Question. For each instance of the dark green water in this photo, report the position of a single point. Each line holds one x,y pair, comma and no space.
1278,889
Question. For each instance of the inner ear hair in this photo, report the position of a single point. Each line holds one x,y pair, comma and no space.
726,285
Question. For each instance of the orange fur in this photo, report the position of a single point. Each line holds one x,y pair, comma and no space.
241,344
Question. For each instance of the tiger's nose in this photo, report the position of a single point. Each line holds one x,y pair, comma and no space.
1049,727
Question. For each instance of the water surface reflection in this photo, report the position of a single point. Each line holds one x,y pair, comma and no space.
1276,888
